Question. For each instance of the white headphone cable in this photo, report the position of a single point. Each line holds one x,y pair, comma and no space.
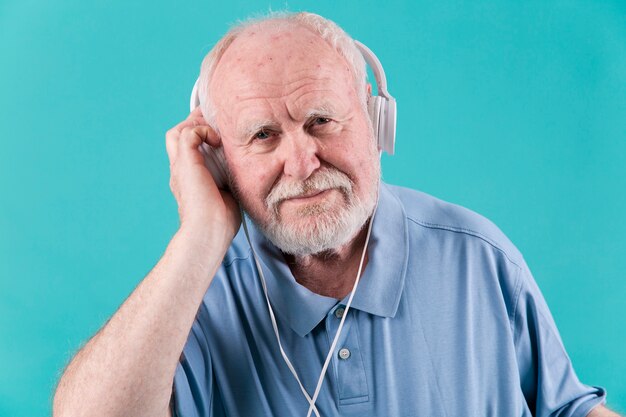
274,325
311,401
345,314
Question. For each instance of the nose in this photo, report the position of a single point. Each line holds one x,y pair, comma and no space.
300,155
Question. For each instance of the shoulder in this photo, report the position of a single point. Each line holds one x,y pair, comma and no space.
431,215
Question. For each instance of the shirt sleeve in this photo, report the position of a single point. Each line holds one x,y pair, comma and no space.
547,377
192,395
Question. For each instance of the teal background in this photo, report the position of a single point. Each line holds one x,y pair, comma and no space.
516,110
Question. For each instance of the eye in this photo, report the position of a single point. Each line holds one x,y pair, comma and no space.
321,120
262,135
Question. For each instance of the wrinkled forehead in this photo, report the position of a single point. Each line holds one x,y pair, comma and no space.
273,61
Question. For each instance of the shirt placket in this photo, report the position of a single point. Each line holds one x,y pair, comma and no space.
347,362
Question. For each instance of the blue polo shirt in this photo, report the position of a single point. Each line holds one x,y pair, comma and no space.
447,320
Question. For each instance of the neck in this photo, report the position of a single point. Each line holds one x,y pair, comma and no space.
331,273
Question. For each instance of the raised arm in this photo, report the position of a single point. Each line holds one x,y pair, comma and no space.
128,367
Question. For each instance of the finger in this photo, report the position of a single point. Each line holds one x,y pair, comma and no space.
172,135
195,113
171,140
195,118
193,121
211,137
189,141
170,145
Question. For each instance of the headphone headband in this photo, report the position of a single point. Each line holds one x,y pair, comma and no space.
377,68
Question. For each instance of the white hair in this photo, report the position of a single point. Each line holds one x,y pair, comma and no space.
326,29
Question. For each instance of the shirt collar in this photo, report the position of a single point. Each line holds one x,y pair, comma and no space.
381,283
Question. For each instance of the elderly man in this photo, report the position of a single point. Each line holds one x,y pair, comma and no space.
446,319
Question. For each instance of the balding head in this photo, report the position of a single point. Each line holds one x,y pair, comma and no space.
282,22
278,61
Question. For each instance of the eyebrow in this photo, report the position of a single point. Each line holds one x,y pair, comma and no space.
325,110
255,126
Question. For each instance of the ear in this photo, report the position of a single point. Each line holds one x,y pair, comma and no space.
369,89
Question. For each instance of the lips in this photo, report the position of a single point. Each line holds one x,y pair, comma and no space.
309,194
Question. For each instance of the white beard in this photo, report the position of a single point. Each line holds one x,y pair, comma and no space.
320,227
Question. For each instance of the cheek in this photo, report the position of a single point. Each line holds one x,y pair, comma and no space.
356,155
351,150
253,176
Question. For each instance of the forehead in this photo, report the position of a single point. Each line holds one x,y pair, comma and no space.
288,62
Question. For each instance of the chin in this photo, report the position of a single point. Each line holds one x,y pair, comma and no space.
314,229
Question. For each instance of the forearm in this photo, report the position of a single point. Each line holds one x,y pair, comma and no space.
601,411
127,368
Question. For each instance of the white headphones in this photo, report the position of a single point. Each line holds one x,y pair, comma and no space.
381,108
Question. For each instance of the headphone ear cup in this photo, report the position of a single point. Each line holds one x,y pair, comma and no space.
382,112
216,163
387,125
374,108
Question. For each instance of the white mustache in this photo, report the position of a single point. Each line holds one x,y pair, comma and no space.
325,179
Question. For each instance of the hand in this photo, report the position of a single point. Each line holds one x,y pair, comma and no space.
202,207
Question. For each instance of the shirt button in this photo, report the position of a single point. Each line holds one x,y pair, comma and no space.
339,312
344,353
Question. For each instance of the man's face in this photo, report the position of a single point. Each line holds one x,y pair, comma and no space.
298,142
